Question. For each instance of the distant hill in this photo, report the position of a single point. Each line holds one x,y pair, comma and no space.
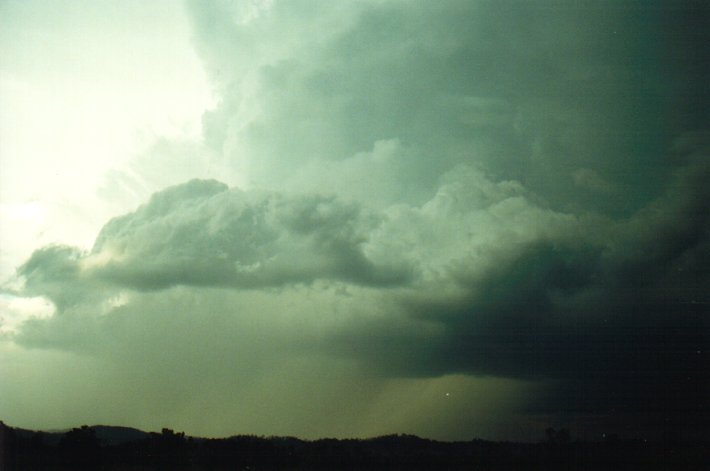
50,437
112,435
107,434
126,448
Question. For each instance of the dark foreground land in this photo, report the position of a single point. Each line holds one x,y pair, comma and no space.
127,449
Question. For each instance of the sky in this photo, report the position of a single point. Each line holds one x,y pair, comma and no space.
454,219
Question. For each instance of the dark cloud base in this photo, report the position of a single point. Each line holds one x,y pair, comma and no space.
615,326
511,190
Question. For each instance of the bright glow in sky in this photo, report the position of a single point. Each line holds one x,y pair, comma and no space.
85,88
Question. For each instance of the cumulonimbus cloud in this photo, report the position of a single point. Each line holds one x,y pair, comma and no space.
430,188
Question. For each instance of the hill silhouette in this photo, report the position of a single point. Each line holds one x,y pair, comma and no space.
122,448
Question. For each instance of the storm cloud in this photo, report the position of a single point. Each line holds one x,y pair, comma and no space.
498,198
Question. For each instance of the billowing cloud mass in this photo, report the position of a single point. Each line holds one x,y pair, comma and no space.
445,218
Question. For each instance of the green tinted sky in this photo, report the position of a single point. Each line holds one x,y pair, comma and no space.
452,218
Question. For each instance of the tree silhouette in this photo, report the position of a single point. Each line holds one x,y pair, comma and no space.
81,446
557,437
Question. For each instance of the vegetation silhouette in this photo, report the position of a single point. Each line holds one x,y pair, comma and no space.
122,448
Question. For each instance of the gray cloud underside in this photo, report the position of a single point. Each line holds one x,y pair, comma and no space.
536,295
511,189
